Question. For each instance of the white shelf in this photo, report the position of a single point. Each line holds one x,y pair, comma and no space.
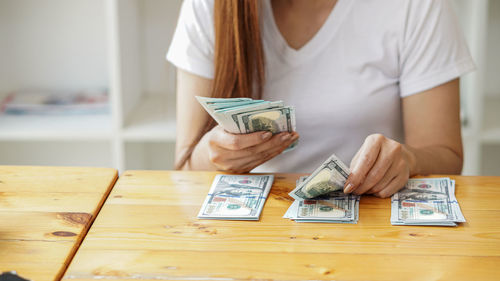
120,45
43,128
152,120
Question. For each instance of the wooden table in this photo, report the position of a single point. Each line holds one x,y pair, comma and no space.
44,214
148,230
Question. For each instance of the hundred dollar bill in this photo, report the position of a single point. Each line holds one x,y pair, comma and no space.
244,115
274,120
236,197
292,210
212,104
328,177
426,201
334,207
230,115
206,101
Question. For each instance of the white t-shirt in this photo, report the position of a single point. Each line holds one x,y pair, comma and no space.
347,82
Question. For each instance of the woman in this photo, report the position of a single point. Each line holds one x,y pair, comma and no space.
376,82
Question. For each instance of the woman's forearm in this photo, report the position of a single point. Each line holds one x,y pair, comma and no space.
433,130
434,160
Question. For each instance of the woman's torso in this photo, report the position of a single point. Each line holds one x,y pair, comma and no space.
348,81
343,83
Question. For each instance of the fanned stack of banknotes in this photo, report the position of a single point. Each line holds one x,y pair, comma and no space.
426,201
246,115
320,197
333,207
236,197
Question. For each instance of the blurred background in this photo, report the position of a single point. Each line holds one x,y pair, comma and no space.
85,83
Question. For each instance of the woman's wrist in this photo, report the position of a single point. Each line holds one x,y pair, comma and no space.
410,155
200,156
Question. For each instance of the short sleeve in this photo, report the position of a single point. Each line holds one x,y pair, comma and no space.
433,50
192,47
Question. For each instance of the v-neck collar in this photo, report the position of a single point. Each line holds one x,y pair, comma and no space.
322,37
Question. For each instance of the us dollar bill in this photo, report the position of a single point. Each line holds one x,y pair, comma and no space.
426,201
273,120
245,115
236,197
230,115
328,177
333,207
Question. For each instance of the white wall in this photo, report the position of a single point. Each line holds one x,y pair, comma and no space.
492,87
53,44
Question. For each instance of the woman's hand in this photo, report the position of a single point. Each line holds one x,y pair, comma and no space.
381,167
240,153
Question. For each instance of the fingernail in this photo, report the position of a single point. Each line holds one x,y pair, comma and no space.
266,135
348,188
285,137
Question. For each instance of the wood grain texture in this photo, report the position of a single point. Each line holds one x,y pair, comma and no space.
44,214
148,230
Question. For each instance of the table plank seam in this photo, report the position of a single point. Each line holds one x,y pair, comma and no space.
87,227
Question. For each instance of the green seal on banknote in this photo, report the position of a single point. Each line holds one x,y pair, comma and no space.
426,212
233,206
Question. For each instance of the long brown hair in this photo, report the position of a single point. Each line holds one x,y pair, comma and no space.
239,57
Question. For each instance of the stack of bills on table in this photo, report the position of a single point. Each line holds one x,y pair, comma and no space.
333,207
245,115
426,201
320,197
236,197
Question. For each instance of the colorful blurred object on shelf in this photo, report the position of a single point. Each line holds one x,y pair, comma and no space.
42,102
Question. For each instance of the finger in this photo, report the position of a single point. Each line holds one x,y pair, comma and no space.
268,155
355,158
233,159
279,140
245,164
387,155
394,186
244,154
265,155
368,155
388,177
231,141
